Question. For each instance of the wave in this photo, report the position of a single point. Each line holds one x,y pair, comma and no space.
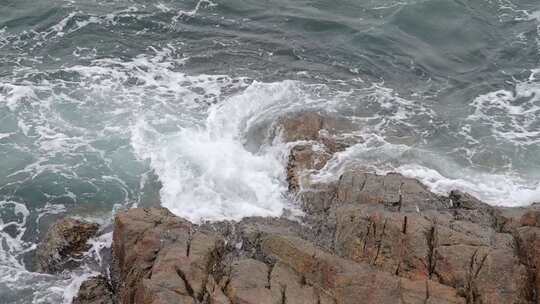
209,173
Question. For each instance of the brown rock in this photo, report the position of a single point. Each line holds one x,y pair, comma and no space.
531,218
302,126
310,126
427,291
96,290
394,191
215,293
349,282
248,283
460,254
288,287
64,243
395,242
387,256
159,258
303,159
528,242
471,258
468,208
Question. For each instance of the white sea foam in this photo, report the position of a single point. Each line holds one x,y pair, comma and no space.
512,115
12,95
534,15
99,243
497,189
194,11
13,245
5,135
44,289
72,285
207,172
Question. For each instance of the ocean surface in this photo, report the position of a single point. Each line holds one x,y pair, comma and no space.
109,104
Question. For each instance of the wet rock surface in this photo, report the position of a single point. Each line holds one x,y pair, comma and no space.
364,238
96,290
64,244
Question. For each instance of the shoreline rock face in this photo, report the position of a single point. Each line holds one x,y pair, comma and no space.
364,238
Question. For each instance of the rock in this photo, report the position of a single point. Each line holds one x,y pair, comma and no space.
323,141
527,235
248,283
302,159
349,282
460,254
394,242
394,191
398,226
468,208
96,290
530,218
64,244
160,258
391,192
476,272
302,126
215,293
313,126
385,256
245,236
528,242
288,287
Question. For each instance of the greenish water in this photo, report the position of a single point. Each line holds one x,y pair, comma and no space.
112,104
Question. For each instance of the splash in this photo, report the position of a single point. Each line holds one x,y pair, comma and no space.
208,173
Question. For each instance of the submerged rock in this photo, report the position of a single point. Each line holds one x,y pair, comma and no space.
64,244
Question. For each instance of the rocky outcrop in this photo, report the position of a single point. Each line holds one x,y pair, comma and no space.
64,244
364,238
